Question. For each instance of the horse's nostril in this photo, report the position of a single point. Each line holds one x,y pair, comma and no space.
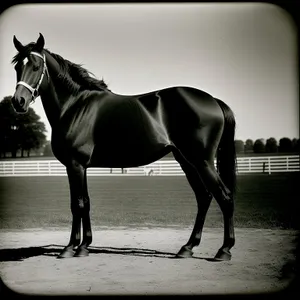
22,102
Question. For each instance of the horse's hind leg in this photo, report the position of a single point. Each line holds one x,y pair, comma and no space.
203,202
225,200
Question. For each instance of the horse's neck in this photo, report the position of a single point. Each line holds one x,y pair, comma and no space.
52,98
51,105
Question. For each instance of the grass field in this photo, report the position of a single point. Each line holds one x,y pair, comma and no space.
262,201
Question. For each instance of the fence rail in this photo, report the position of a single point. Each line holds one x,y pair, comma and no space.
263,164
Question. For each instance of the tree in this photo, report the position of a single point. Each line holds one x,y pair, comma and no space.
296,145
248,146
33,136
48,149
271,145
8,128
239,146
285,145
19,131
259,146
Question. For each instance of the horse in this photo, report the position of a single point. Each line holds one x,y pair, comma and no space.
94,127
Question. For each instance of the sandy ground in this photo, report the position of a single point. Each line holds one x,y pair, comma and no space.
147,266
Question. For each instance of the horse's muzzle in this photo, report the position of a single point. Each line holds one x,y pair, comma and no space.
19,105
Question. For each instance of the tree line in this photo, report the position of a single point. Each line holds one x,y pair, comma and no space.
271,145
25,134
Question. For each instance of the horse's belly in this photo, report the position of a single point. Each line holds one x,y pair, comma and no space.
128,150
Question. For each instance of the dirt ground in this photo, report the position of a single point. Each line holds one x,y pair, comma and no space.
140,261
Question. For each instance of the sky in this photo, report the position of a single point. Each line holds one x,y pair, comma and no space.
242,53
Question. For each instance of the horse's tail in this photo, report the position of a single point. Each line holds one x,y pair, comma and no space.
226,155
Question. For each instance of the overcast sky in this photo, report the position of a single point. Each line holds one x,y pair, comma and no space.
244,54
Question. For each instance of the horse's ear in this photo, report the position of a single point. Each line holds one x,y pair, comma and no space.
17,44
40,43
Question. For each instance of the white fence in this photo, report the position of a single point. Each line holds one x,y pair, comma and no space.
263,164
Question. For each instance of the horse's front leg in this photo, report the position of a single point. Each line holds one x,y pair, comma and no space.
76,176
86,222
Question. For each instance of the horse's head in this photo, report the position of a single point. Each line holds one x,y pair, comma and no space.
31,68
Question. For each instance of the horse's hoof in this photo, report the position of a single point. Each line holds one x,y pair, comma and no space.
223,255
184,253
82,252
66,253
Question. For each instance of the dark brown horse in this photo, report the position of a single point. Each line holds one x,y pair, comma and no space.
93,127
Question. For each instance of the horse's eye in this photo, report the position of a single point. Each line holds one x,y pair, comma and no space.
35,68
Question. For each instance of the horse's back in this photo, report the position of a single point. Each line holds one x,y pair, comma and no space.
182,110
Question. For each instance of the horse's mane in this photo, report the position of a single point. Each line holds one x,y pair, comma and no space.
74,76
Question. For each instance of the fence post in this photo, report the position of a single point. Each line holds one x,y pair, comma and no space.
13,168
287,163
249,159
269,165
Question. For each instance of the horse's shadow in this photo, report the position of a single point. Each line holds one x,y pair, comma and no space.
20,254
